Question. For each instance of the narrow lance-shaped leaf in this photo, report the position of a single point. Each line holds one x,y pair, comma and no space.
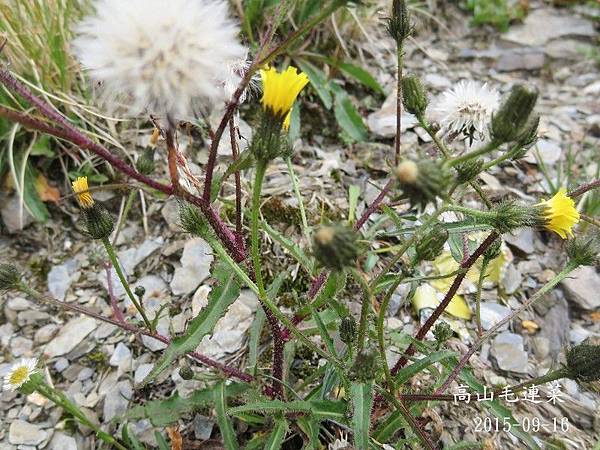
277,435
227,432
362,400
222,295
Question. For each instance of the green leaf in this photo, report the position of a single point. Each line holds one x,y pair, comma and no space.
131,440
42,147
310,427
294,249
244,162
323,332
389,427
348,117
326,409
167,411
318,80
353,194
222,295
325,294
361,75
30,196
362,401
229,439
408,372
161,441
277,435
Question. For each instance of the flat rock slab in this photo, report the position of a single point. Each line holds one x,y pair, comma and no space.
25,433
583,287
70,336
544,25
508,350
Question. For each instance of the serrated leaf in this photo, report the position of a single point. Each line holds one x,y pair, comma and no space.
229,438
244,161
294,249
222,295
326,409
362,401
167,411
277,435
418,366
32,200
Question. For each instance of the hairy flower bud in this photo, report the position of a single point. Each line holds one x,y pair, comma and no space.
192,220
398,25
528,137
513,116
432,244
266,144
365,365
186,372
583,362
99,223
145,163
348,330
9,277
414,96
510,215
422,181
140,291
469,170
584,251
335,246
442,332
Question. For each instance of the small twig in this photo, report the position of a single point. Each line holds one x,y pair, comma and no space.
585,188
449,296
172,159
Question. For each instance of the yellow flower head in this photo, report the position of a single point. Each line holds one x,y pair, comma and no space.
80,187
280,89
560,214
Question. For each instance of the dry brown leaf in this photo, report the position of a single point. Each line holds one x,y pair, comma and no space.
595,316
46,192
176,439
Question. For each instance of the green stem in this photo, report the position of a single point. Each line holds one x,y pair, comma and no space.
298,197
485,215
115,262
508,155
400,59
261,168
474,154
126,209
62,401
438,142
364,310
380,334
484,265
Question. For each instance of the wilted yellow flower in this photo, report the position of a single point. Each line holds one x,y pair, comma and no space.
80,187
560,214
280,89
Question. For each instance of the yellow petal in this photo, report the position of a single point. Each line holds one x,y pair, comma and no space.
280,89
80,187
560,214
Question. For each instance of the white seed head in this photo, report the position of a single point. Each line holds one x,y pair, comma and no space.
467,108
164,58
19,374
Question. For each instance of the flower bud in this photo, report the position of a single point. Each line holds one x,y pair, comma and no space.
335,247
266,144
421,182
365,366
442,332
528,137
414,97
186,372
9,277
145,163
513,116
583,362
469,170
399,26
432,244
584,251
494,250
192,221
99,223
140,291
510,215
348,330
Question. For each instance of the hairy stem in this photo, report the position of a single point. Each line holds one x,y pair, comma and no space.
299,199
526,304
399,56
364,309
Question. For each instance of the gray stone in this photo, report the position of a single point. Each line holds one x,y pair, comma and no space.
20,346
520,59
544,25
522,240
19,304
121,358
492,313
61,364
549,152
578,334
14,217
117,400
583,287
569,49
170,213
44,334
61,441
511,279
142,372
383,122
70,336
555,327
507,349
61,277
195,267
24,433
203,427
